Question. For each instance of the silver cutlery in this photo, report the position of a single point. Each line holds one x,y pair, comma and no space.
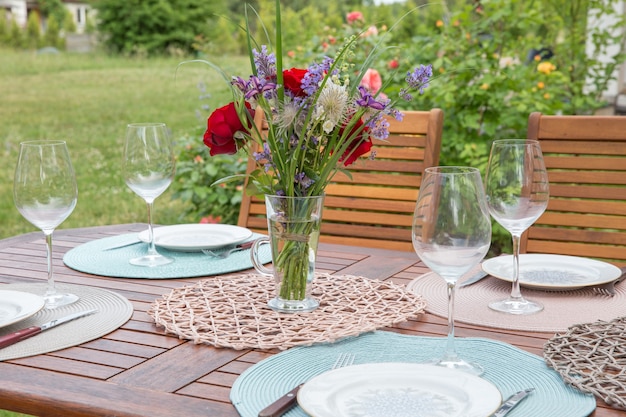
225,252
609,287
287,401
22,334
473,279
511,402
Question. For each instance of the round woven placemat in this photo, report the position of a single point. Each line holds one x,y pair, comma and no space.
508,367
113,311
94,257
592,357
561,308
232,311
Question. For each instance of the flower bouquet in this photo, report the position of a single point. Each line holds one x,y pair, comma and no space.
319,120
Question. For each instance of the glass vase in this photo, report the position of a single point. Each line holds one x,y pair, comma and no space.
294,225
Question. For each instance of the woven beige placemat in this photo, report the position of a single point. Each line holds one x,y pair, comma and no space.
232,311
561,308
113,311
592,358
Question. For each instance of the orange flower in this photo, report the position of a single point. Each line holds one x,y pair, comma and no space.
485,86
540,85
546,67
546,96
439,23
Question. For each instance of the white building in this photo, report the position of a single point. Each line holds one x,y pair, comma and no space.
21,9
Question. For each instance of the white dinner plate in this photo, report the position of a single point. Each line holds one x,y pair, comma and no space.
195,237
552,272
398,389
17,306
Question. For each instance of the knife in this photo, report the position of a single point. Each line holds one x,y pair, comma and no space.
473,279
281,405
22,334
123,245
511,402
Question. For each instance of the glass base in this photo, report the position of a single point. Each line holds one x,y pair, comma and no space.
59,299
459,364
293,306
151,260
519,306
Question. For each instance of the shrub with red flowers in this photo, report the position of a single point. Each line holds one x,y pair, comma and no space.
320,118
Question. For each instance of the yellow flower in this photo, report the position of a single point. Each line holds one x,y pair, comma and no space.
439,23
546,96
546,67
484,86
540,85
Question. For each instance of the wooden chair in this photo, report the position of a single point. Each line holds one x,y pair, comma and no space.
375,207
586,161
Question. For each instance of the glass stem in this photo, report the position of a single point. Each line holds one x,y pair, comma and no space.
450,349
515,291
151,246
51,287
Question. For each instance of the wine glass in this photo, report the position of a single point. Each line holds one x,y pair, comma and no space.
148,170
517,190
45,193
451,235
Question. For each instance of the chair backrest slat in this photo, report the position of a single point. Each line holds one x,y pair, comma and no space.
374,205
586,161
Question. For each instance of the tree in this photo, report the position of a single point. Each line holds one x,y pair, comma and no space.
51,37
154,26
33,32
54,8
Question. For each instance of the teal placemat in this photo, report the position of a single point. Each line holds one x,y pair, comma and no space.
509,368
91,258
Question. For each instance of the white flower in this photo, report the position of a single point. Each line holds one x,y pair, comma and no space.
331,105
288,115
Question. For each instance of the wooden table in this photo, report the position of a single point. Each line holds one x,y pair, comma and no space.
138,371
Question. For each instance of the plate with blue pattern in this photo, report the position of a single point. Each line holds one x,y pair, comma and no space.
553,272
396,389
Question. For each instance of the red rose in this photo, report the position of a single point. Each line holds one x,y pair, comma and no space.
292,78
222,125
393,64
360,145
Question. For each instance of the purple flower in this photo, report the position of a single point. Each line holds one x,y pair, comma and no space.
265,155
367,100
417,80
304,181
315,74
254,86
265,63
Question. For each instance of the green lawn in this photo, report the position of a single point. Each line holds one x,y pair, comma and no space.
87,100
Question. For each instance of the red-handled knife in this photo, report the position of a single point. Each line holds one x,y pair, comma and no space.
22,334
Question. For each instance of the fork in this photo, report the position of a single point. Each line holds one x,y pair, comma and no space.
225,253
608,289
284,403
